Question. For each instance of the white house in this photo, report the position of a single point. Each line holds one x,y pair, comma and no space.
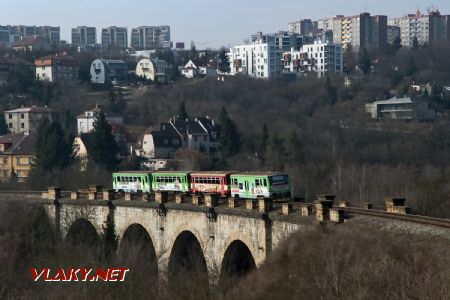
401,109
318,57
85,121
109,71
192,70
153,69
56,68
261,59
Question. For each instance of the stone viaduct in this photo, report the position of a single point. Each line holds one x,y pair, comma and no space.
225,236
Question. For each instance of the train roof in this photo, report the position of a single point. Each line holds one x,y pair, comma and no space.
259,173
212,173
133,172
172,172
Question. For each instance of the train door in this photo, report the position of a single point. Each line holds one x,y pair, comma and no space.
247,188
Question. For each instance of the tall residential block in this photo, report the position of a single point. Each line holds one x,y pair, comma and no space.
428,28
302,27
150,37
84,36
115,36
359,31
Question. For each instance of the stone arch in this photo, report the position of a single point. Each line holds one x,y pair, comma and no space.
137,251
237,261
187,259
82,233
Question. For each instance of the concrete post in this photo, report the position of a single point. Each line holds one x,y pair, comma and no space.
232,202
108,195
250,204
196,200
54,193
75,195
306,210
392,204
161,197
95,188
367,206
128,196
180,198
211,199
337,215
92,195
287,208
265,205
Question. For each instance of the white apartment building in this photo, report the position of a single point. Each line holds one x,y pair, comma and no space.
258,60
84,36
429,29
318,57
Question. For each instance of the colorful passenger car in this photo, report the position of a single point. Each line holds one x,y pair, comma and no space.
132,182
211,182
171,181
252,185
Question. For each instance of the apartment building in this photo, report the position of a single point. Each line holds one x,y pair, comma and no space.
393,33
261,59
359,31
283,40
84,36
13,34
150,37
428,28
26,119
318,57
115,36
17,153
56,68
302,27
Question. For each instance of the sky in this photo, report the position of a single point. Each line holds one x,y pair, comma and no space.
209,23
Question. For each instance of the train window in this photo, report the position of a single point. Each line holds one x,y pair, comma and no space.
241,186
235,181
265,182
257,182
118,179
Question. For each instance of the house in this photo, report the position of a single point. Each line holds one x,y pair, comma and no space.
422,88
10,64
16,155
85,121
156,70
56,68
200,134
401,109
26,119
193,70
32,43
160,143
105,71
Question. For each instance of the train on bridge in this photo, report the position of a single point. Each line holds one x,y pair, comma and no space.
248,185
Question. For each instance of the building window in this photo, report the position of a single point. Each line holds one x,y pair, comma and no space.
22,125
22,116
10,116
10,125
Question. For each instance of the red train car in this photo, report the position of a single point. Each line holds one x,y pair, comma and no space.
211,182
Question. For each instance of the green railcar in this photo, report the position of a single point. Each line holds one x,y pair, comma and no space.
259,184
132,182
171,181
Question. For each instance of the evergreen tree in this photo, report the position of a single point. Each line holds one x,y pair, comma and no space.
230,140
295,148
104,148
3,126
182,113
224,63
396,45
53,150
364,61
110,239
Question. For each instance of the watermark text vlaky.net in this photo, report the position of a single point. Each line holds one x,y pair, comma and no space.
79,274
